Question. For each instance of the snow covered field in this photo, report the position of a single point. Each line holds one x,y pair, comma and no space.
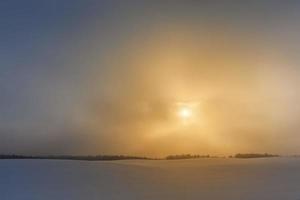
226,179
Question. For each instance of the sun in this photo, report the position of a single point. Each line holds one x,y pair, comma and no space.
188,113
185,113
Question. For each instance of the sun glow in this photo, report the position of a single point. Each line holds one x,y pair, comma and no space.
185,113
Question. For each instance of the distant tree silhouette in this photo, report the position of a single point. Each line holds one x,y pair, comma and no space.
185,156
125,157
254,155
70,157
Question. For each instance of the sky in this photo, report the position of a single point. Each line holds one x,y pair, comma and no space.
149,77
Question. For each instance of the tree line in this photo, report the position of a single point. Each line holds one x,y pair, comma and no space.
186,156
255,155
71,157
126,157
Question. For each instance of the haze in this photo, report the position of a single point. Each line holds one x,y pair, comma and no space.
110,77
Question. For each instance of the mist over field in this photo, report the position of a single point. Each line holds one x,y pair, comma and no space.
214,179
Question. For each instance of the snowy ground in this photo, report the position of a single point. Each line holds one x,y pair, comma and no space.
207,179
